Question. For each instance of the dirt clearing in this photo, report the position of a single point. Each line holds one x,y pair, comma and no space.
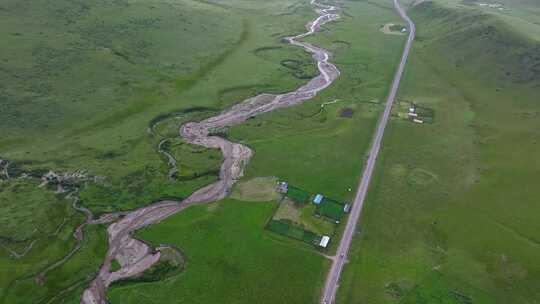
392,29
258,189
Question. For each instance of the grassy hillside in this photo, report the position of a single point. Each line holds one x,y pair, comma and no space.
519,15
88,79
469,232
69,64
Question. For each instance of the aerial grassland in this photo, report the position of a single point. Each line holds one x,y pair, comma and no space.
311,145
83,87
230,258
106,133
469,232
97,87
331,147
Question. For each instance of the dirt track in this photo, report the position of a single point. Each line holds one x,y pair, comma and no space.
135,256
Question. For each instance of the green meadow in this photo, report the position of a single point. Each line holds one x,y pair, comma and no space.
311,146
452,213
97,86
82,85
129,65
230,258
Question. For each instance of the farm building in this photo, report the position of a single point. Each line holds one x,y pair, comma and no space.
283,187
318,199
414,113
324,241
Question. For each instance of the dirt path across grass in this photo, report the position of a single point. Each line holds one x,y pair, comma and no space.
135,256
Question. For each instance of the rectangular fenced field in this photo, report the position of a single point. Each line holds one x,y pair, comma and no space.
287,228
331,209
298,195
300,219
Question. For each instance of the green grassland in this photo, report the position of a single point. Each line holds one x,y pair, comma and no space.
520,15
127,72
36,229
331,209
30,212
18,276
452,214
259,189
84,84
230,258
304,217
307,145
330,148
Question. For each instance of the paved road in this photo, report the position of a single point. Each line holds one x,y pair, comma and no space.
332,280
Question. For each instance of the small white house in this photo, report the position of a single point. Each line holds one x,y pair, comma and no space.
418,121
324,241
318,199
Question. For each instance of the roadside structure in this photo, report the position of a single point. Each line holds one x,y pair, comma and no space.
324,241
282,187
318,199
289,220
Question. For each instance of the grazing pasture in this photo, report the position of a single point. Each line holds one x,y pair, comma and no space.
452,215
98,85
230,257
297,144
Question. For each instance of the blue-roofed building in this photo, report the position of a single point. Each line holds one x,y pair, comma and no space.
318,199
283,187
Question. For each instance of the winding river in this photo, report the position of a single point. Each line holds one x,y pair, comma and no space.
135,256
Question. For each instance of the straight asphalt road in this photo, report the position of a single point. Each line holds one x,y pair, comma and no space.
332,280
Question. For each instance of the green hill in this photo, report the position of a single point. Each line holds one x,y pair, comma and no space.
472,234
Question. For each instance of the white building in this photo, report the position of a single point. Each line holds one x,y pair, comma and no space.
324,241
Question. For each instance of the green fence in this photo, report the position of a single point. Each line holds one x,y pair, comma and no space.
287,228
331,209
298,195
